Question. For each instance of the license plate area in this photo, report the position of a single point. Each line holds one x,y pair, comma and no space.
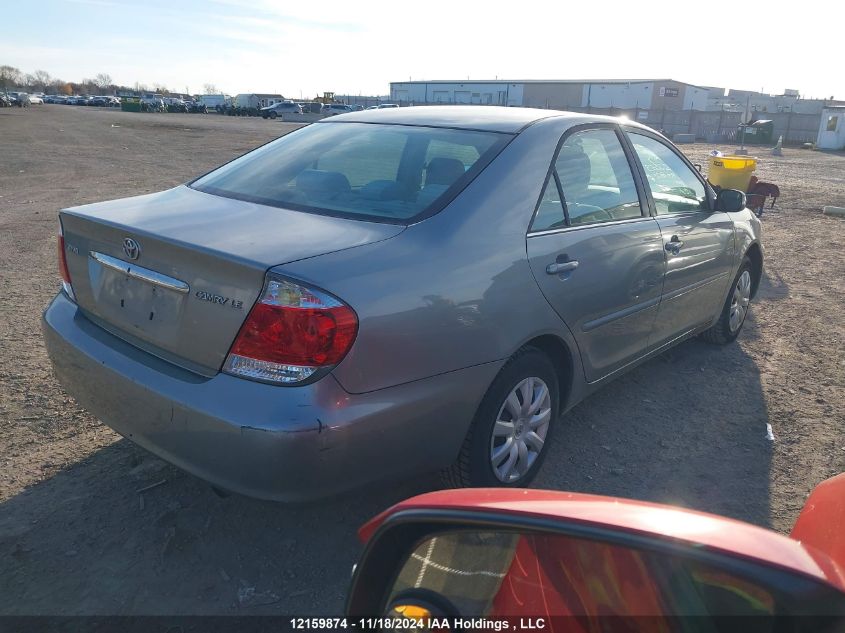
138,300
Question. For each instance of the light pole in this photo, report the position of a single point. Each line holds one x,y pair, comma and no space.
742,151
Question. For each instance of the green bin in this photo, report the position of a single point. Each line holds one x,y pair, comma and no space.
757,132
130,104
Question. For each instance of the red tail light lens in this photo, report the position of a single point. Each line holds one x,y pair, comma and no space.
63,271
290,333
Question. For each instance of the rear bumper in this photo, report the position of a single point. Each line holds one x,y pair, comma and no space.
280,443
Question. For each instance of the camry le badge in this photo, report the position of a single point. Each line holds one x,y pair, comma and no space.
131,248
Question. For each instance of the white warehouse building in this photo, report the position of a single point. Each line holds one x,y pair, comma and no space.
646,94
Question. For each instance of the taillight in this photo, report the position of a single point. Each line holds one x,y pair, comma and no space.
63,271
291,332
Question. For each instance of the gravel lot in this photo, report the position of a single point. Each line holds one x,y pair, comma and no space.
686,428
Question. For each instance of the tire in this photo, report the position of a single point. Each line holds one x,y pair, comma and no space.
273,115
487,441
736,305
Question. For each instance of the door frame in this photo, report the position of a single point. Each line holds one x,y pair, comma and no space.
643,192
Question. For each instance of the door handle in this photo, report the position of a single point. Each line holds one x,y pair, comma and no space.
674,245
561,267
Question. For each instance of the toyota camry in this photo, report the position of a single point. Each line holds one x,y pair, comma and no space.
394,291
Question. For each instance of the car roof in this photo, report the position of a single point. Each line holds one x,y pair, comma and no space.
486,118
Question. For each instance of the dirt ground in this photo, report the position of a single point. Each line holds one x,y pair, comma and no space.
686,428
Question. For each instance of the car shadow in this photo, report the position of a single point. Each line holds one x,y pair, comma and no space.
687,428
86,542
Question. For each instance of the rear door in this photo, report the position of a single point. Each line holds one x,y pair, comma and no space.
594,250
697,242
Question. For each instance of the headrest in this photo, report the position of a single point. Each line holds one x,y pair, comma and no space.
443,171
573,169
316,182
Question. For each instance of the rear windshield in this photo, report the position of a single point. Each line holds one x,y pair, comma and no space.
387,173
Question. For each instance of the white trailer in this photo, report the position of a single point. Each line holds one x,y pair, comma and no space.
212,101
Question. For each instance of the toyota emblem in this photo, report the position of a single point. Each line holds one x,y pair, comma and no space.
131,248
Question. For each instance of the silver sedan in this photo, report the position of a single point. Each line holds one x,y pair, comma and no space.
394,291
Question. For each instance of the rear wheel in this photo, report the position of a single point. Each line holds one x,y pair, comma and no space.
735,310
507,440
273,115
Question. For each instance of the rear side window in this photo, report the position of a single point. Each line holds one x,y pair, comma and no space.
390,173
591,182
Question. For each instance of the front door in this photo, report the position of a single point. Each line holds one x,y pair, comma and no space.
595,252
697,242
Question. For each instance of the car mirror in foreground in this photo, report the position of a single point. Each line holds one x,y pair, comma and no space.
563,561
730,200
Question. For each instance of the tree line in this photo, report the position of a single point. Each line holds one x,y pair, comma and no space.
41,81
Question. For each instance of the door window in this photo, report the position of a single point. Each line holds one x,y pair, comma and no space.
675,188
591,182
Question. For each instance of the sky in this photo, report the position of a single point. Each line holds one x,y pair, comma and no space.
301,48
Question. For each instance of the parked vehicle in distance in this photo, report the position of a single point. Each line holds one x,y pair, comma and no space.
331,109
597,563
196,107
19,99
313,107
153,103
35,100
446,280
280,109
175,104
213,101
5,101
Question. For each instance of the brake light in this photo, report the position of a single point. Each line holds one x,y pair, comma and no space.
291,332
63,271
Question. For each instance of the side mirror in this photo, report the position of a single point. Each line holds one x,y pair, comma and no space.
533,556
730,200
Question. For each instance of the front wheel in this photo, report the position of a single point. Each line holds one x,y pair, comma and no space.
509,435
273,115
735,309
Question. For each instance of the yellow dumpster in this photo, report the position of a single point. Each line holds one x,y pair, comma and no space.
731,172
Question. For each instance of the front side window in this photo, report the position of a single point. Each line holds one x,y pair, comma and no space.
389,173
591,183
674,186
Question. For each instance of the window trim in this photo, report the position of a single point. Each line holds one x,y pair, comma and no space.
708,190
645,202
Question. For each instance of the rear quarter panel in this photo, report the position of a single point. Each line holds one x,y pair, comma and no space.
454,290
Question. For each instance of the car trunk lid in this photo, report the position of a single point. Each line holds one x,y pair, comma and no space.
176,273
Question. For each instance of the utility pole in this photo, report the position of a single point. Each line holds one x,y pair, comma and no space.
742,151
